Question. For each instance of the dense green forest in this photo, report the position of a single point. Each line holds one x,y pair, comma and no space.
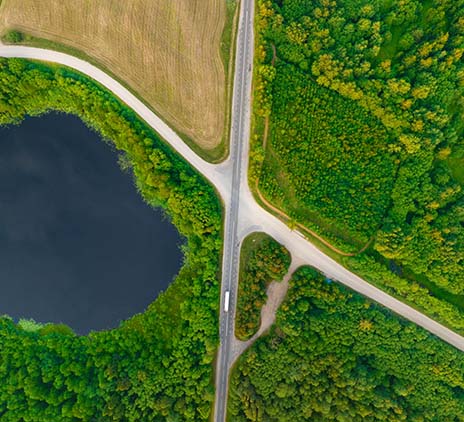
262,260
157,366
335,356
364,101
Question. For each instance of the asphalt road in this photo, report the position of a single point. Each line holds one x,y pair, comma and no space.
243,214
231,258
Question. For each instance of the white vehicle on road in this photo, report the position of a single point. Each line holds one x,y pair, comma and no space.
226,301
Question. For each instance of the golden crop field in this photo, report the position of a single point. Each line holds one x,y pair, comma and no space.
168,51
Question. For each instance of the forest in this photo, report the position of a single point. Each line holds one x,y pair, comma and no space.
157,366
335,356
262,260
364,106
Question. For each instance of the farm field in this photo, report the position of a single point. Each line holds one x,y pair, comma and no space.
358,137
170,53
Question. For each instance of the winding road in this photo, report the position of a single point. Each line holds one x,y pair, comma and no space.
243,214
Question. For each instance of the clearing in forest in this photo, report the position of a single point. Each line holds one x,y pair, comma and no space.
169,52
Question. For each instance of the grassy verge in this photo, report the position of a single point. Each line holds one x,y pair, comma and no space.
262,260
228,43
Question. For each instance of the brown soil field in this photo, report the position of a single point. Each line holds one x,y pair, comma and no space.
167,51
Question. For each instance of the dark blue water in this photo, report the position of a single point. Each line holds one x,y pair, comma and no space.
77,243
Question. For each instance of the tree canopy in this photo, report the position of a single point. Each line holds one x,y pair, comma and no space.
364,101
335,356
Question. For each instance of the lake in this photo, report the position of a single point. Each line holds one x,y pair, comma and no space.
77,243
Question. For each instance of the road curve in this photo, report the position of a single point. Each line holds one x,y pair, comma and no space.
216,174
243,213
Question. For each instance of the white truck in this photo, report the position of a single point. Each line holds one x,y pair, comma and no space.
226,301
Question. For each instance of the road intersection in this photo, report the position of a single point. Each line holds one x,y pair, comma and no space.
243,214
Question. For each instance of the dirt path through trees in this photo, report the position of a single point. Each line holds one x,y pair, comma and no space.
276,293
